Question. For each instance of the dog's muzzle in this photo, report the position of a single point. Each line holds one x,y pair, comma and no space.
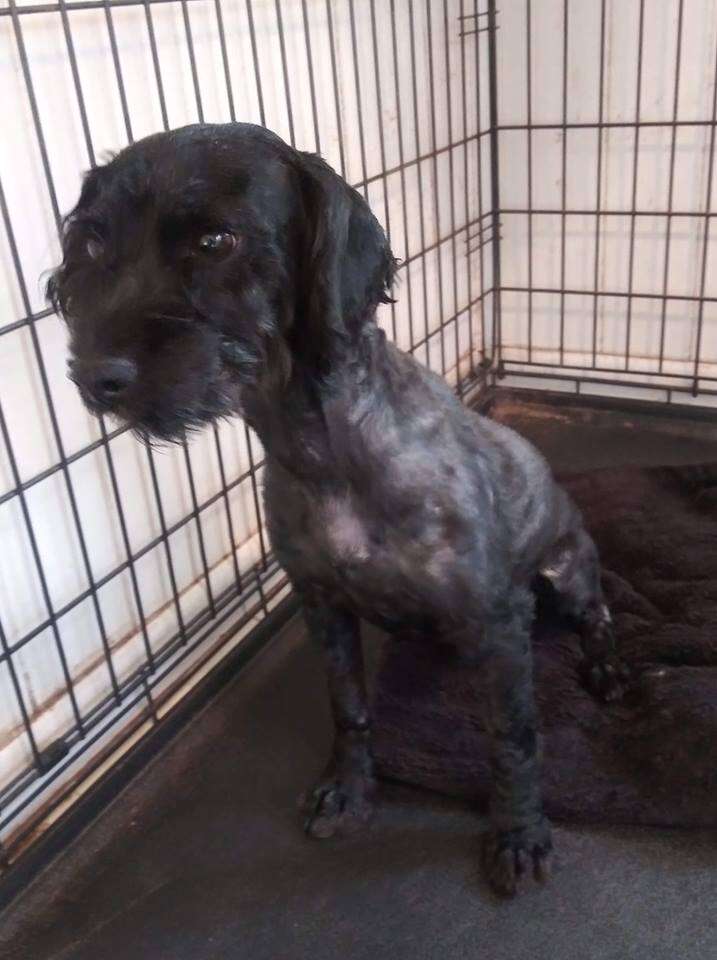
103,383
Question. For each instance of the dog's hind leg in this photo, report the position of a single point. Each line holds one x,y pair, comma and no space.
343,799
573,568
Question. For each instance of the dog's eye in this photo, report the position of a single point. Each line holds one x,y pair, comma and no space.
94,248
217,244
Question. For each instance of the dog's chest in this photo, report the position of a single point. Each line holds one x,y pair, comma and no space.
343,532
386,567
367,560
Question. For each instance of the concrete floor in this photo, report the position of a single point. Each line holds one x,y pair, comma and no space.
202,857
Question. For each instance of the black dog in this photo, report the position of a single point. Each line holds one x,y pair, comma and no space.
215,270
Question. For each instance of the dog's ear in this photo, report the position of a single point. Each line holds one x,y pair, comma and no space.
348,266
91,184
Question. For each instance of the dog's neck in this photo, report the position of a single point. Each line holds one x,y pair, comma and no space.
313,424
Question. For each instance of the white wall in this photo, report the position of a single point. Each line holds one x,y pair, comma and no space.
446,114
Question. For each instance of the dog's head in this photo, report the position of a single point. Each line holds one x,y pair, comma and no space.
209,260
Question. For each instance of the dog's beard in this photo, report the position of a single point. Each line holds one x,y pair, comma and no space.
175,421
171,416
194,376
176,425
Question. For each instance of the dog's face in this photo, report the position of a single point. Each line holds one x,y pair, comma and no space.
206,261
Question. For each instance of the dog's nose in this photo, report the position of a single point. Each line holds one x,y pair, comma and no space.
105,381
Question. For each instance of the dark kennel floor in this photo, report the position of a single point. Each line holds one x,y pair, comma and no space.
202,857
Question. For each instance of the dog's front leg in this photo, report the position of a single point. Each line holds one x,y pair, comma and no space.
519,839
343,800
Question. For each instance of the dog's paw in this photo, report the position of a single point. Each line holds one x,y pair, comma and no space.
338,805
607,678
510,855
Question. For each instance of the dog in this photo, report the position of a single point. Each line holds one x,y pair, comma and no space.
214,270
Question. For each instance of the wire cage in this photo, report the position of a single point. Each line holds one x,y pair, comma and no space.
545,174
607,139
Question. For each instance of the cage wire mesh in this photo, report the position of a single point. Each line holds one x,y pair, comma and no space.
607,200
545,174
